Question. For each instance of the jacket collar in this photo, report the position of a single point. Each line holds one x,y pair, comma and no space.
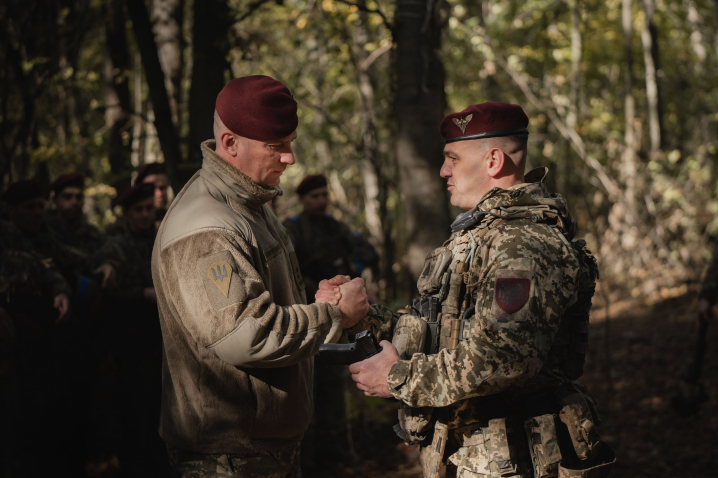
524,194
233,182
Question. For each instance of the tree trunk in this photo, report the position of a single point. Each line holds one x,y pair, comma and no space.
375,183
419,106
649,38
168,16
117,89
209,64
166,132
629,154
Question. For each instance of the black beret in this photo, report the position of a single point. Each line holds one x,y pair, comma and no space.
22,191
134,194
67,180
310,183
148,170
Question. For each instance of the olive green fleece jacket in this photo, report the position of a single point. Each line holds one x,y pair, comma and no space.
238,335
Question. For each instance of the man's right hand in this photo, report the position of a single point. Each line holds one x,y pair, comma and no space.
348,295
329,291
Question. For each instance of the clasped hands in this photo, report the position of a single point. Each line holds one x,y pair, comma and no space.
371,374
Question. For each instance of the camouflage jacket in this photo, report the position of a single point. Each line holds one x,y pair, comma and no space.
24,268
131,253
520,273
71,262
83,235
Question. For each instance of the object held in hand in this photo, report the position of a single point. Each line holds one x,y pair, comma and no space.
347,354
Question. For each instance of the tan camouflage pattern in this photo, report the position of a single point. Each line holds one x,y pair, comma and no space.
275,464
504,351
83,235
380,320
517,354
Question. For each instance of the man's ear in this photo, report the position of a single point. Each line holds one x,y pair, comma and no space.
230,143
496,162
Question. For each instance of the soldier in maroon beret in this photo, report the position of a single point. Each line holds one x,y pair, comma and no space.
156,173
67,220
238,333
504,324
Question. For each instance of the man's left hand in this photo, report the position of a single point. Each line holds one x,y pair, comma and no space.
371,374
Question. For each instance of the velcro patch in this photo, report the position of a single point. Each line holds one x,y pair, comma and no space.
217,273
512,293
221,282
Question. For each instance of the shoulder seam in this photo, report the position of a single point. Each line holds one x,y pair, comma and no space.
203,229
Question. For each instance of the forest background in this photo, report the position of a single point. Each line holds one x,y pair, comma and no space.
623,108
621,97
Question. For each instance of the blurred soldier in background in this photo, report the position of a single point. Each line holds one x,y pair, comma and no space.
67,222
325,248
135,337
34,395
156,174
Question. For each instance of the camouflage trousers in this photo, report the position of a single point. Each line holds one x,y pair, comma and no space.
282,463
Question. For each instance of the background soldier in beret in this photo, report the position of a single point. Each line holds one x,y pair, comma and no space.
325,248
135,337
156,174
67,222
238,334
510,295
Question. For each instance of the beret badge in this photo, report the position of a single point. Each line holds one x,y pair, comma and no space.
463,122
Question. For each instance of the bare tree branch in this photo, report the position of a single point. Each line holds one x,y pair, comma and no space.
377,10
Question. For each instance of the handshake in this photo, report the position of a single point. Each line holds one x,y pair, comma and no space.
349,295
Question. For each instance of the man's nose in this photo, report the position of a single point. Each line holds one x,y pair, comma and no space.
287,158
445,171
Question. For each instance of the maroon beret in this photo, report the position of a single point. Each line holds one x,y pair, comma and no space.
75,180
21,191
257,107
134,194
148,170
310,183
487,120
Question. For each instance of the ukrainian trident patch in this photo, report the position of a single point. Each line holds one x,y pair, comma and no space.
512,293
220,273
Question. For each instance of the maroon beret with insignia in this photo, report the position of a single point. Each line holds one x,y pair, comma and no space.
148,170
134,194
310,183
486,120
257,107
21,191
74,180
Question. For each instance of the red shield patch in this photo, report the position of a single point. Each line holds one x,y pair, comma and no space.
512,294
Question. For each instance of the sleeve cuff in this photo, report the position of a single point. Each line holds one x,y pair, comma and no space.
397,376
336,330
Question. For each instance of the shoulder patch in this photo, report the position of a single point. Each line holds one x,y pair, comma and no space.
220,280
512,291
512,294
217,273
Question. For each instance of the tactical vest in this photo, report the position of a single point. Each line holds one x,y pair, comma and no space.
450,277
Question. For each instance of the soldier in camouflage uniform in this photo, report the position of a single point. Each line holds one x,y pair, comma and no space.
486,363
67,221
325,248
135,336
34,308
156,174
